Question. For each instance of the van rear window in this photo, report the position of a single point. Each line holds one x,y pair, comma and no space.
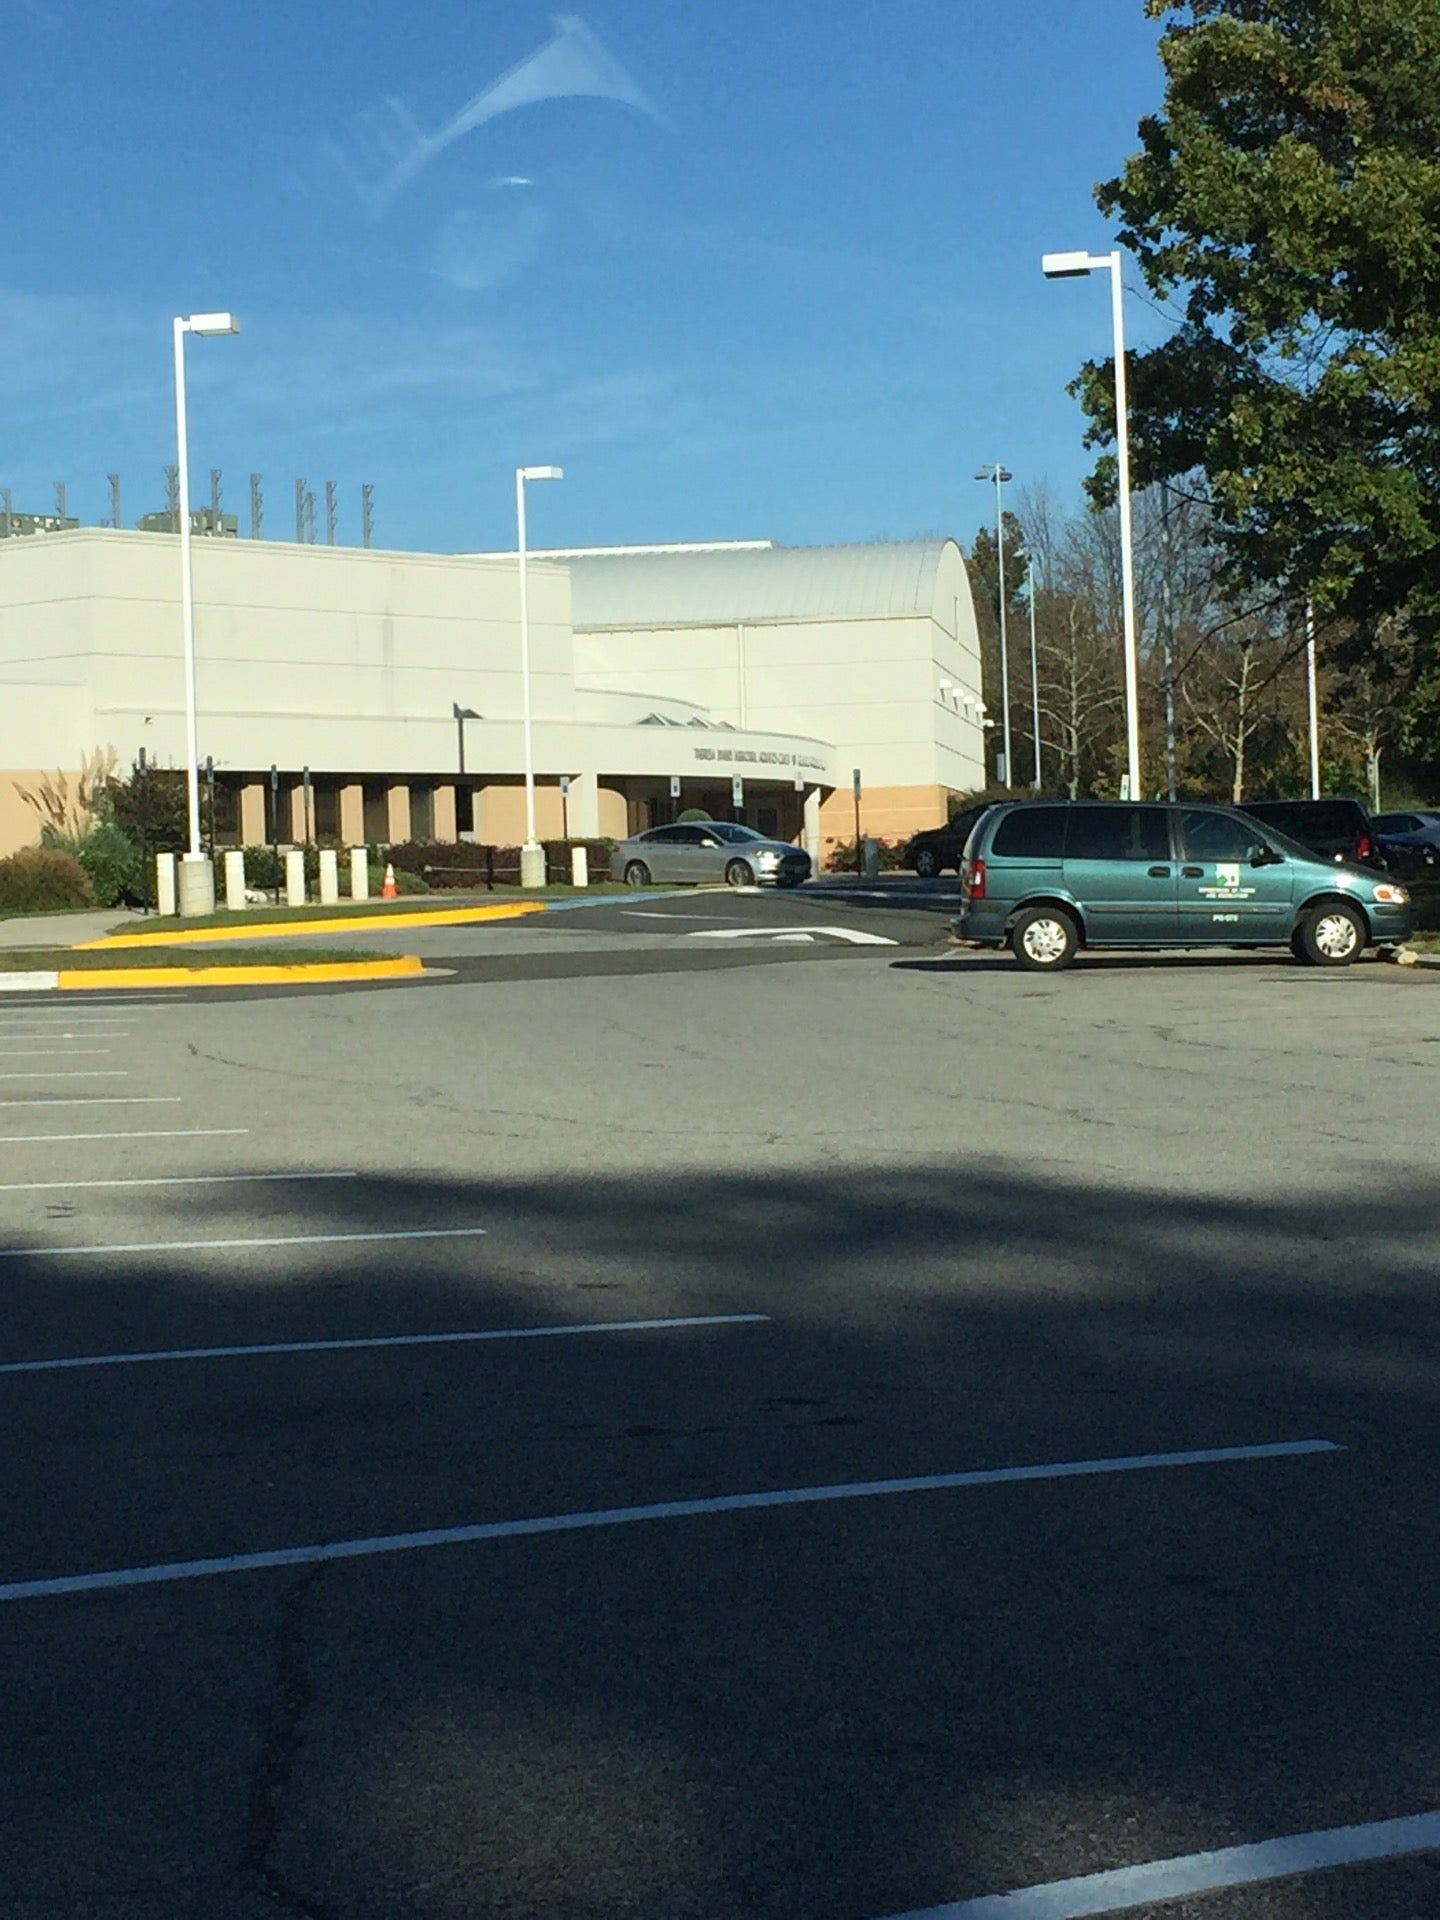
1031,833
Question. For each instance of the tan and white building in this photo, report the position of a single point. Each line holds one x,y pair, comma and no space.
348,695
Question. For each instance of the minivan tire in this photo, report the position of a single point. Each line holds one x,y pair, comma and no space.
1332,935
1044,939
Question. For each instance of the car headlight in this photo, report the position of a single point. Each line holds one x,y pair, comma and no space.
1391,896
767,859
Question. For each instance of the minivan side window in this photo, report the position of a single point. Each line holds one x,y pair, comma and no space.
1118,833
1031,833
1215,836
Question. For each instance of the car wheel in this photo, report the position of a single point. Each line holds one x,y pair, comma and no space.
637,874
739,874
927,864
1332,935
1045,939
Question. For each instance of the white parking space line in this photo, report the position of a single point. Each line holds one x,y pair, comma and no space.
851,936
259,1240
80,1073
386,1340
54,1053
166,1180
102,1100
163,1133
1197,1873
174,1570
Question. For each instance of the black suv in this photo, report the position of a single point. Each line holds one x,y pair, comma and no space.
1340,829
936,848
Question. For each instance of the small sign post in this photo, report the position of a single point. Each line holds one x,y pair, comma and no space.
855,781
674,786
737,791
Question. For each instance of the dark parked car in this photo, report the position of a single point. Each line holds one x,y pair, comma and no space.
1339,829
1410,841
937,848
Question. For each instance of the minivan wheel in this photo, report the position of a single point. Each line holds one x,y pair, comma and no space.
1332,935
637,874
1045,939
927,864
739,874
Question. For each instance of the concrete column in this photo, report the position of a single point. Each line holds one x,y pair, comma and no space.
359,874
329,877
352,813
295,878
235,880
532,866
579,867
582,808
445,813
165,883
812,828
398,800
253,829
196,890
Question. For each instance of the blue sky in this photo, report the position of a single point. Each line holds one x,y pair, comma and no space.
756,268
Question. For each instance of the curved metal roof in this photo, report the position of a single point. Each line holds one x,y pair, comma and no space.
880,578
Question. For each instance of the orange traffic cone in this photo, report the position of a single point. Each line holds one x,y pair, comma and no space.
389,891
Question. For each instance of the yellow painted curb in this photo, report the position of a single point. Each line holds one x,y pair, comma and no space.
405,966
292,929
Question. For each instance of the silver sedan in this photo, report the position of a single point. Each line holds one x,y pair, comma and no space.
706,852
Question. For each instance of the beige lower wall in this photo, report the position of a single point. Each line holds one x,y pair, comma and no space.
500,812
886,813
352,814
19,824
614,813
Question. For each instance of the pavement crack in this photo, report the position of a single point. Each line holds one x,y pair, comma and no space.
282,1737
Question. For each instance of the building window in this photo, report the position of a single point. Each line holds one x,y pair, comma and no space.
327,809
422,813
377,813
225,813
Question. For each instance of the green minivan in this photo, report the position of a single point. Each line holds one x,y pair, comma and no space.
1046,878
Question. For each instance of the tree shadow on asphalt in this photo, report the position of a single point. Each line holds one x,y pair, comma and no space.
836,1712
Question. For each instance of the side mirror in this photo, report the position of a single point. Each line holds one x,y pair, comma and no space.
1261,856
708,842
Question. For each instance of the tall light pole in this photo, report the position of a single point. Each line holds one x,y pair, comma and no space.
1070,266
999,475
1313,694
191,896
532,855
1034,668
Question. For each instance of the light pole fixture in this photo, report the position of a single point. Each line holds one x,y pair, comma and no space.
460,715
1070,266
999,475
532,858
1034,667
207,325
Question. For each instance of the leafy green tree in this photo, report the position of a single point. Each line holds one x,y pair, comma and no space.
1286,199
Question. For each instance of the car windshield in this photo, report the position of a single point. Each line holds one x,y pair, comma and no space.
731,831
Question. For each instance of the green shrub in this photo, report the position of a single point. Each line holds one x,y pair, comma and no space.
43,880
110,858
1426,896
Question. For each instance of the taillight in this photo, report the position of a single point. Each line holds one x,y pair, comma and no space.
975,879
1365,848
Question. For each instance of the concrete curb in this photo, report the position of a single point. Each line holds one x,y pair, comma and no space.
405,966
295,929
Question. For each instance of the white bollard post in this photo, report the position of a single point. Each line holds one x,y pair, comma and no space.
294,878
359,873
165,883
235,880
579,867
329,877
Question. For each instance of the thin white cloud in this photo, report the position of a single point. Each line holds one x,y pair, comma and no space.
573,64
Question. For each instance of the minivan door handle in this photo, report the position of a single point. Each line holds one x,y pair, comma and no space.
1192,873
1159,873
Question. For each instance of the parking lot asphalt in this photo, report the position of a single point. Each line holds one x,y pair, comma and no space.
920,1432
